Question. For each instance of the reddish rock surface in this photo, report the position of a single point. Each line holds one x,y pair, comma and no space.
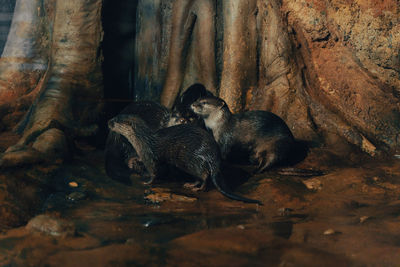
350,218
349,50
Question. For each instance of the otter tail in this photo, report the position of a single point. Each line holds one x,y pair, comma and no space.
226,192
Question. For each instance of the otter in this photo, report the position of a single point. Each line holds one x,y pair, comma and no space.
187,147
264,136
182,104
121,160
154,114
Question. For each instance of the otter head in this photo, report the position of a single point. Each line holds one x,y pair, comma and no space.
124,123
206,106
214,111
176,119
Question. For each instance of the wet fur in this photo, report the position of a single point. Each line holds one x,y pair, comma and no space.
182,103
186,147
263,135
120,156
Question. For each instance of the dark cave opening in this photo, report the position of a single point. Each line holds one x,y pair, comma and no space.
118,46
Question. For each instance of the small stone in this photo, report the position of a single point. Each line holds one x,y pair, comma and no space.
158,195
73,184
284,211
76,196
51,226
376,179
313,184
397,156
330,231
241,227
363,218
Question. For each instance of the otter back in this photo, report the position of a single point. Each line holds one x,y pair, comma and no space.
187,147
121,159
265,136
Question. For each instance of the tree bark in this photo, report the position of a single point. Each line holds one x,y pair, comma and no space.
310,62
239,70
347,94
69,88
191,20
25,57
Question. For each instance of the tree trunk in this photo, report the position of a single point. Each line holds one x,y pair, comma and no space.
329,69
65,62
68,91
310,62
191,56
25,57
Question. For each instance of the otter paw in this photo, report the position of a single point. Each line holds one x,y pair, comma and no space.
196,186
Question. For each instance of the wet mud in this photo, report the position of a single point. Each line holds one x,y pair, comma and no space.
350,216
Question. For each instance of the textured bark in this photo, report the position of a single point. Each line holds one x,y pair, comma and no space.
357,98
25,57
191,20
68,87
280,87
330,69
239,70
65,88
75,70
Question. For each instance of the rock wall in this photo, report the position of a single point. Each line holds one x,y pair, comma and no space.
329,68
350,51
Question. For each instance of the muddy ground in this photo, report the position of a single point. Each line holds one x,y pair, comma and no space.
350,216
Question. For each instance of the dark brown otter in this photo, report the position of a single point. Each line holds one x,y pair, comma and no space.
182,103
186,147
263,135
121,160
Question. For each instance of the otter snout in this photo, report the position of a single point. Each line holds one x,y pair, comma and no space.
196,106
176,119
